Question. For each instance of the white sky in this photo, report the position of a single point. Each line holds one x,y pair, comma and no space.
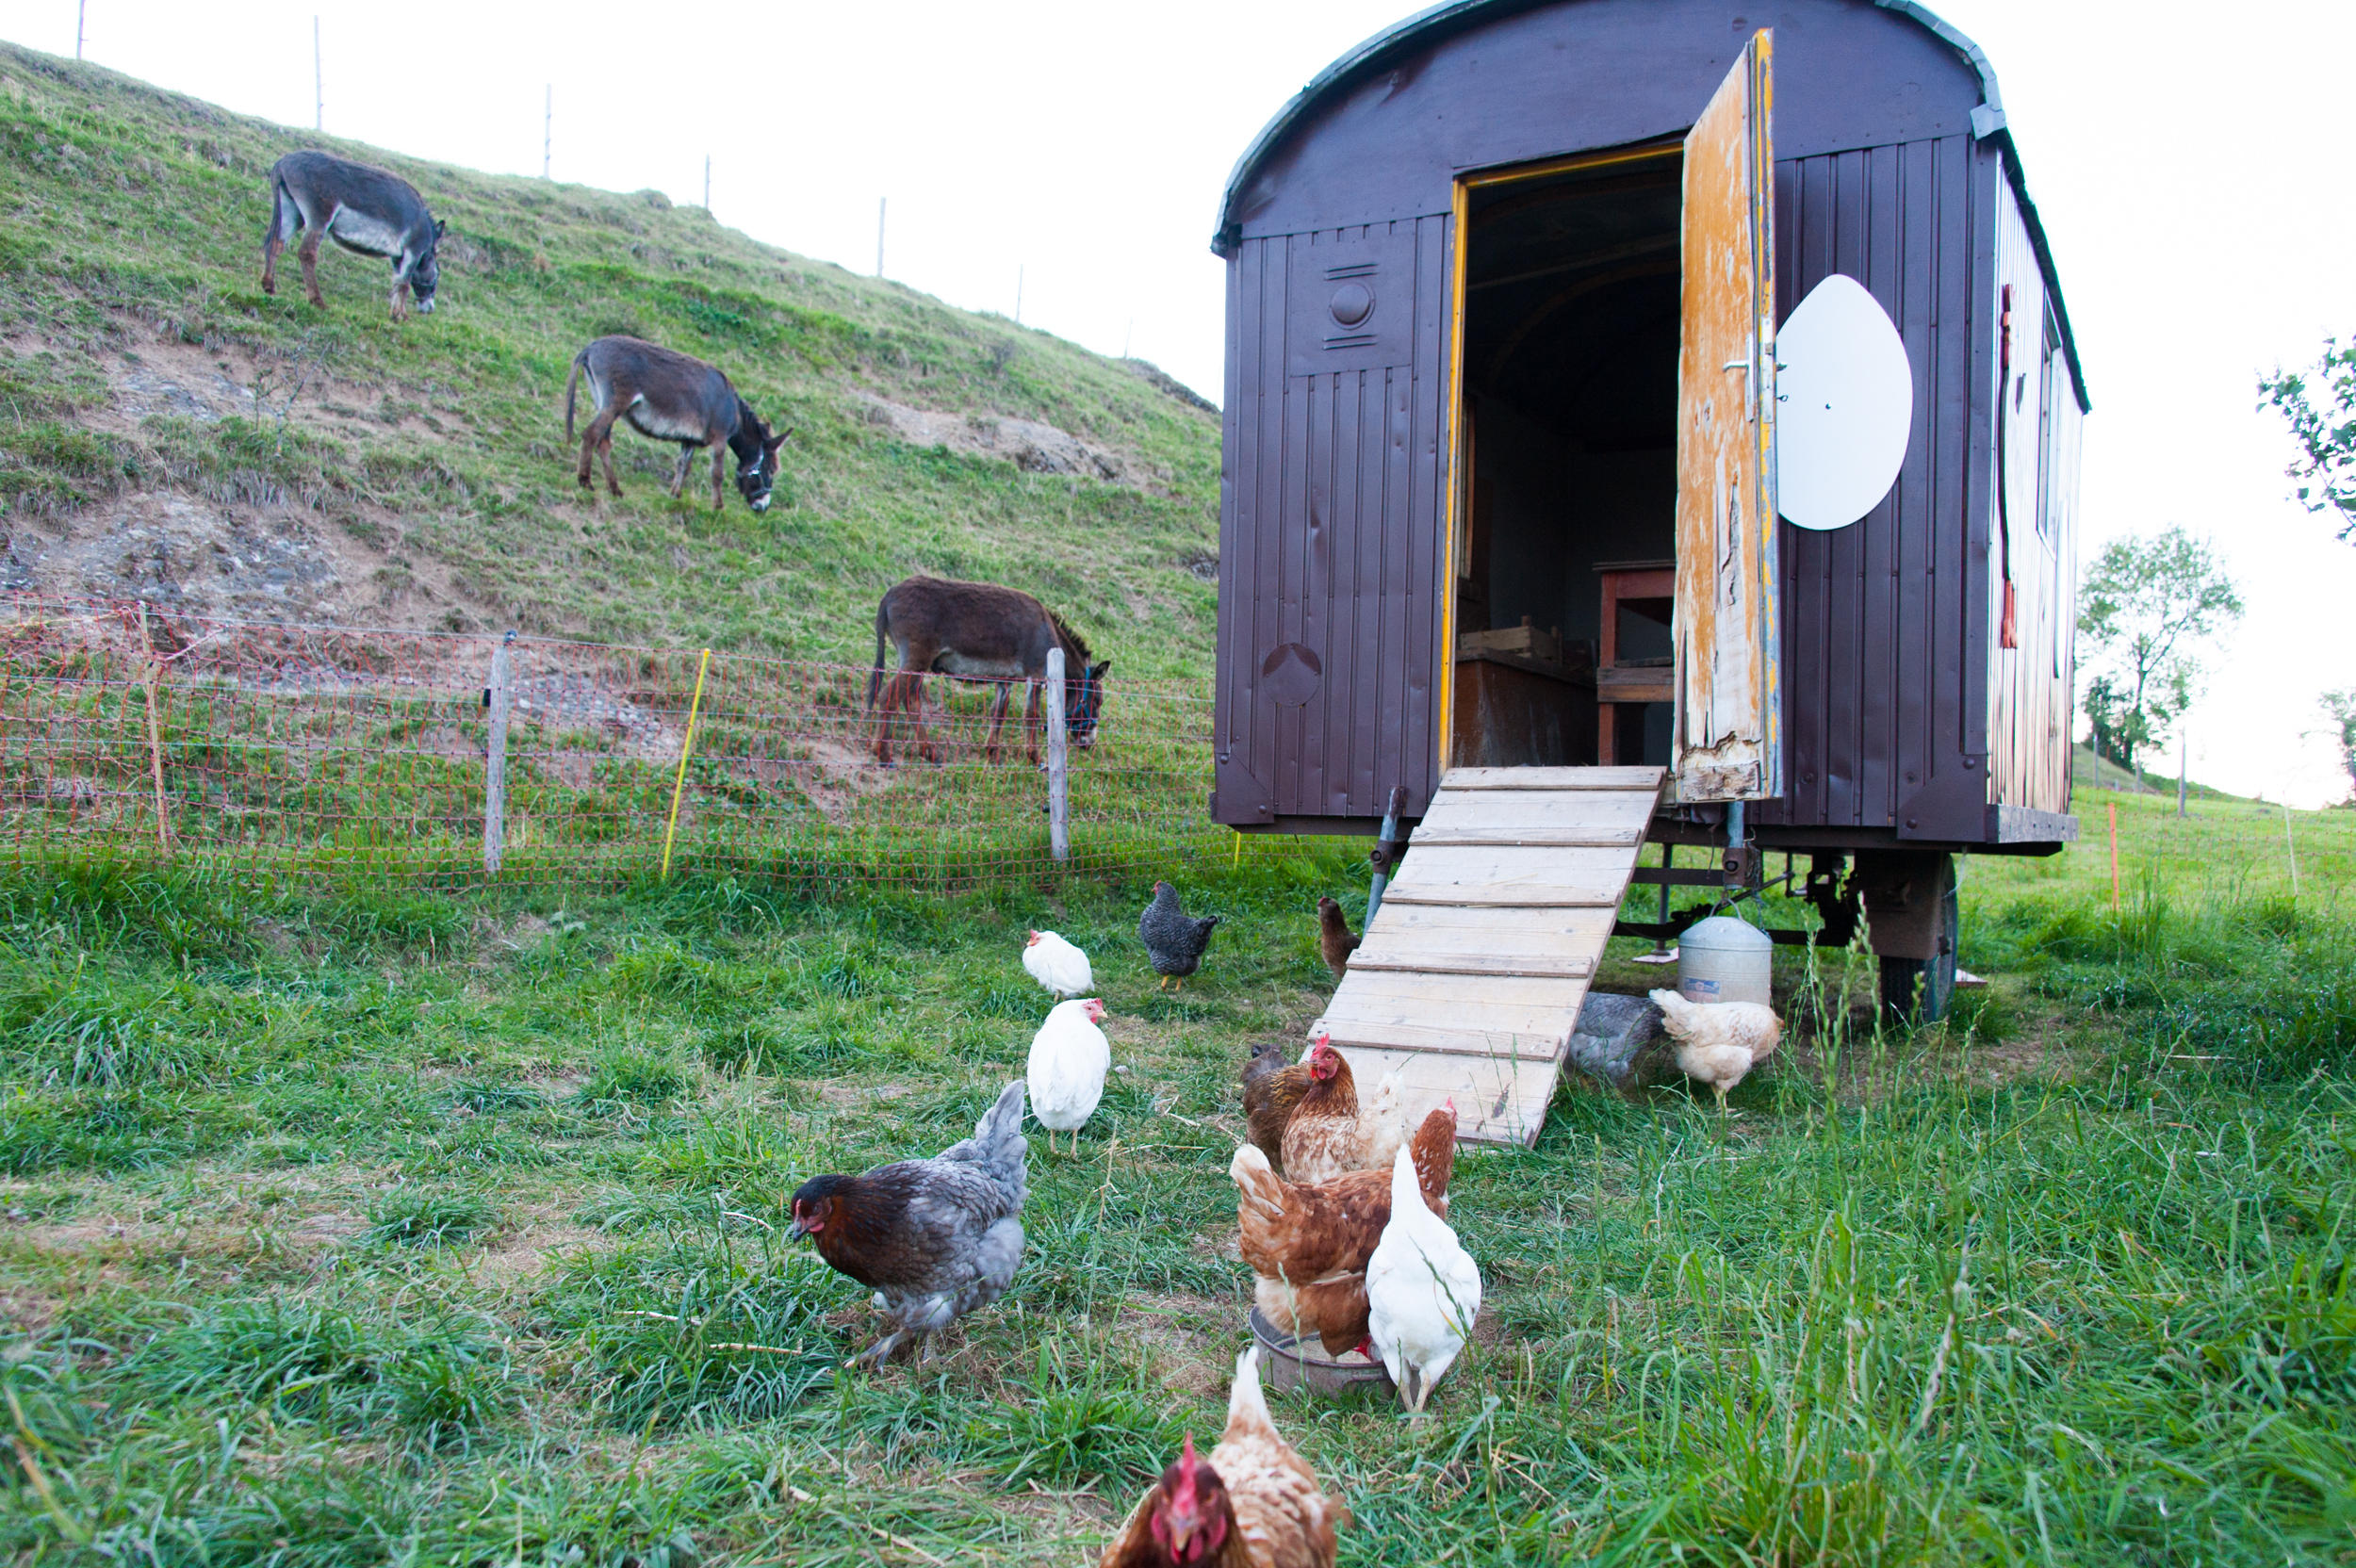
2189,163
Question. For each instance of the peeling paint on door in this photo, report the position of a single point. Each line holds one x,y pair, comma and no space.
1729,734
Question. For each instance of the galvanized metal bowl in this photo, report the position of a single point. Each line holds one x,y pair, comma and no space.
1292,1363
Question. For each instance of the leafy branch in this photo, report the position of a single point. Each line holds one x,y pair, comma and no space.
2320,406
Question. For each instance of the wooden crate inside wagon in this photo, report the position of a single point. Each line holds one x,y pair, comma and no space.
1720,339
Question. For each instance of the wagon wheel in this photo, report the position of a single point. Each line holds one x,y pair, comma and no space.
1919,990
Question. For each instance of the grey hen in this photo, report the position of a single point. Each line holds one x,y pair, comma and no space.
934,1239
1173,939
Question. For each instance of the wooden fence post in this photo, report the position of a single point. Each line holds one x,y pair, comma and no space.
496,696
2291,845
2114,809
155,735
1058,777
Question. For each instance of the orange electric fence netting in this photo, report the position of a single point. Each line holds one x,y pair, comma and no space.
318,751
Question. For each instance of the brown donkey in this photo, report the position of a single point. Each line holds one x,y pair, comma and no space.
671,397
977,631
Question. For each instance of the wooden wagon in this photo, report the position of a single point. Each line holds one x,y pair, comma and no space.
1501,530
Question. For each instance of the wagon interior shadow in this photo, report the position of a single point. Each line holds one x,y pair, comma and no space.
1569,436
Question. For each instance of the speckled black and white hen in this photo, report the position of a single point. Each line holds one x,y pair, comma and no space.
1173,939
934,1239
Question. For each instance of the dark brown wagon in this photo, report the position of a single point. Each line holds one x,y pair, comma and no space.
1475,390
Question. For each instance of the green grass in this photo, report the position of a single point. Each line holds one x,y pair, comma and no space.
132,244
352,1229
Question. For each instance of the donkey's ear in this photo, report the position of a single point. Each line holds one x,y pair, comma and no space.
777,442
441,227
1097,673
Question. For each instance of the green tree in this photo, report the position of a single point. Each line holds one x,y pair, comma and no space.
2341,706
2320,404
2149,605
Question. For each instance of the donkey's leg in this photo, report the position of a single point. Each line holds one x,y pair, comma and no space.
309,254
400,298
605,450
272,243
719,451
1030,721
588,453
924,745
997,722
679,475
883,719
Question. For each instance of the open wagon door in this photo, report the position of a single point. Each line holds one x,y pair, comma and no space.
1728,739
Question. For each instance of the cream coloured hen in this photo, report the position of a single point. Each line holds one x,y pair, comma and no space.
1056,965
1423,1291
1070,1057
1718,1042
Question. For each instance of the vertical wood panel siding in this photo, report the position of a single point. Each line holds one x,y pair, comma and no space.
1882,620
2032,704
1329,532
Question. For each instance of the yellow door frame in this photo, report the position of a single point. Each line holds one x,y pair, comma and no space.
1458,479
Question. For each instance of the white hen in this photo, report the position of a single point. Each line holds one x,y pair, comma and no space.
1070,1057
1057,965
1718,1042
1423,1291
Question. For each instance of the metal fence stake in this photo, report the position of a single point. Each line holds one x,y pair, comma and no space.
155,735
496,697
1058,777
686,747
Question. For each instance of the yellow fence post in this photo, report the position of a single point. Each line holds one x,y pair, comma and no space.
148,673
686,745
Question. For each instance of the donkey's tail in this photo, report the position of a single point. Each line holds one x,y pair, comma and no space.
883,623
571,382
281,203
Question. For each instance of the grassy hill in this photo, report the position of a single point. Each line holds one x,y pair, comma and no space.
2094,771
169,432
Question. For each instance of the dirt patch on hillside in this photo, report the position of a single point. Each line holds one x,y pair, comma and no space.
256,552
1030,445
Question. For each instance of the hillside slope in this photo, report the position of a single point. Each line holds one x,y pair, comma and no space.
168,431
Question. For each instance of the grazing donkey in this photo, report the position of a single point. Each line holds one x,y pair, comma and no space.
977,631
362,208
672,396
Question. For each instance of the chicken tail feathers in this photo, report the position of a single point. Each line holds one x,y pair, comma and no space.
1247,1406
998,1144
1255,1179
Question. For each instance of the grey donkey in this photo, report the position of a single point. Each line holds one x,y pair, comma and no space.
362,208
669,396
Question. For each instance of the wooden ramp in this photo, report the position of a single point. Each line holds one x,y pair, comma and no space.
1471,975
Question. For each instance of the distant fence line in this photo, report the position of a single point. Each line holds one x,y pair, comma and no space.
312,751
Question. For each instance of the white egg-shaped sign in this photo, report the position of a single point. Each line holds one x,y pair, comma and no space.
1844,405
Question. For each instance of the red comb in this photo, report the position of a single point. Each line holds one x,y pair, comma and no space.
1188,1468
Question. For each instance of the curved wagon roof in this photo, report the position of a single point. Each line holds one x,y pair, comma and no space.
1427,29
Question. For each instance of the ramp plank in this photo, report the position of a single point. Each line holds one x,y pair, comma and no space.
1496,1101
1439,922
1471,975
1527,965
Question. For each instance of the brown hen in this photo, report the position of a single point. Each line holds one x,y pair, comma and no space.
1255,1504
1271,1088
1328,1133
1335,941
1307,1243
